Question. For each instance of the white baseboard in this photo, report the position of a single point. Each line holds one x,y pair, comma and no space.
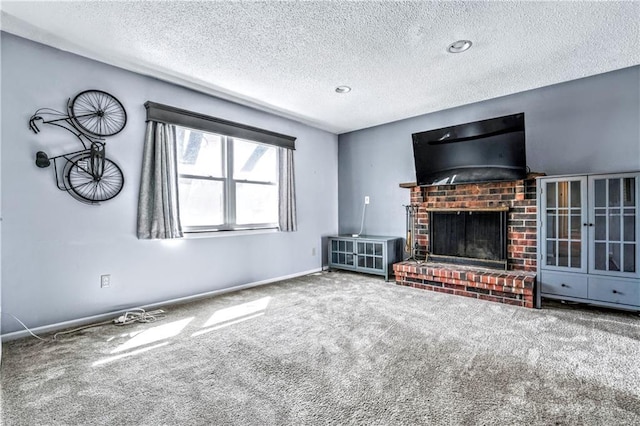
114,314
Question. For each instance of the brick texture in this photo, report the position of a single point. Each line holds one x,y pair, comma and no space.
518,196
514,286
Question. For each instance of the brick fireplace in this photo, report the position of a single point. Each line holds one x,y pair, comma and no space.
504,217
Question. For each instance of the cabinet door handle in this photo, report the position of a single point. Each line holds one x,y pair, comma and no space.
616,292
563,285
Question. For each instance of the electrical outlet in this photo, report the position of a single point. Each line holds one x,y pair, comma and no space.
366,199
105,281
313,251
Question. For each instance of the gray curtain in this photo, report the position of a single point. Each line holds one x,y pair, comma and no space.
287,219
158,213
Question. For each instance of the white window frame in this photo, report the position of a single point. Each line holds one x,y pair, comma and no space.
229,189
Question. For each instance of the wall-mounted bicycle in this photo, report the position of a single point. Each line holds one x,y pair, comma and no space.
88,175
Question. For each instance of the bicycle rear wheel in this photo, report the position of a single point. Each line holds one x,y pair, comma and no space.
98,113
86,185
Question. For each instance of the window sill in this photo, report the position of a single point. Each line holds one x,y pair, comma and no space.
192,235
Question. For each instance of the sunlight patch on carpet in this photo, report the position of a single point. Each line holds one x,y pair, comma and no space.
132,353
227,324
154,334
237,311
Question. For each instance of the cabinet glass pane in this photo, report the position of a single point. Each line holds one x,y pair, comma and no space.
629,228
563,224
349,259
575,194
601,193
334,256
360,248
342,245
601,228
629,258
551,194
601,256
551,225
563,194
614,257
361,262
614,227
341,258
629,192
334,245
576,225
563,253
369,262
575,254
378,263
369,248
377,249
551,253
349,246
614,192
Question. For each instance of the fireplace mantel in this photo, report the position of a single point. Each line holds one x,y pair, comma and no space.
408,185
463,209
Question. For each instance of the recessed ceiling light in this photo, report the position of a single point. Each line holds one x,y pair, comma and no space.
459,46
343,89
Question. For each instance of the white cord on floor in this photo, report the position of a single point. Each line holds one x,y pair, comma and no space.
25,327
55,336
129,317
141,316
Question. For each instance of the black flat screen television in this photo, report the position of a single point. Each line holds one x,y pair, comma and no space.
482,151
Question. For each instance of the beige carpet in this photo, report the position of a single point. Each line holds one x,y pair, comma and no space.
334,348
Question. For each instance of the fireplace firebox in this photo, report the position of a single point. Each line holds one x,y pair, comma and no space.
469,236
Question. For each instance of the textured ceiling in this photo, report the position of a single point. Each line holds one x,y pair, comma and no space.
287,57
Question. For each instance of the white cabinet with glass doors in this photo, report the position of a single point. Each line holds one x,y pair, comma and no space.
588,235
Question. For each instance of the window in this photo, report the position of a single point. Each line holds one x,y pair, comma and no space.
202,173
225,183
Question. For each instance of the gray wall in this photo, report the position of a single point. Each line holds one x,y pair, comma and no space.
54,248
583,126
0,219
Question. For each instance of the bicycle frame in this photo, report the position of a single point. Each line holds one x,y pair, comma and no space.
94,167
87,174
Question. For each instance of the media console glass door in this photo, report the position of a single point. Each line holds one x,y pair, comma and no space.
342,253
614,218
564,224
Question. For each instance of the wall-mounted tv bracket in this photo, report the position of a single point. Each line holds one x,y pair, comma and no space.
87,175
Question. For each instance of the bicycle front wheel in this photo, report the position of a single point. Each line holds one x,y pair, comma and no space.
98,113
87,185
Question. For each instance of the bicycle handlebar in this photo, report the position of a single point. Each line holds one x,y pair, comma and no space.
32,124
